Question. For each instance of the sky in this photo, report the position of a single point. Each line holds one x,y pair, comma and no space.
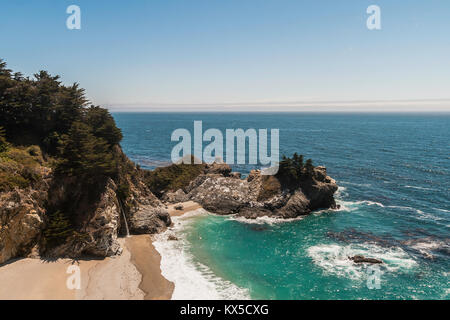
239,55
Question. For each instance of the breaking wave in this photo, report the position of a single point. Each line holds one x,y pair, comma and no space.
334,259
193,280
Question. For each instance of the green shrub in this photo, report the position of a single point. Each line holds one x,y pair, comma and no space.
292,170
19,169
9,182
172,178
85,154
270,186
58,230
123,192
4,145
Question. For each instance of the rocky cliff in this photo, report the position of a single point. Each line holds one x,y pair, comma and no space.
220,191
29,225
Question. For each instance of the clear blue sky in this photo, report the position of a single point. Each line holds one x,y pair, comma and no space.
236,52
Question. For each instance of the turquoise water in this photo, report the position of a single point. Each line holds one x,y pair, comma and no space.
393,172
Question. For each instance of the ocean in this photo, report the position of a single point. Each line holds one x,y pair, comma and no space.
393,174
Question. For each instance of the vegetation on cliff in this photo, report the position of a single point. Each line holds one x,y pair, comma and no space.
293,170
173,177
291,173
20,167
3,143
48,126
44,112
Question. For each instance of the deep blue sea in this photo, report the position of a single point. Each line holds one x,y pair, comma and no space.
394,176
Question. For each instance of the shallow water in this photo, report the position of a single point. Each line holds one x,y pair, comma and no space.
393,172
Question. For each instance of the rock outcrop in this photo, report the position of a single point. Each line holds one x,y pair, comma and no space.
26,213
148,214
21,221
362,259
220,191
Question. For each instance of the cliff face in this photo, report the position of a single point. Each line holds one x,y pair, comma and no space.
226,193
28,221
21,222
65,184
25,216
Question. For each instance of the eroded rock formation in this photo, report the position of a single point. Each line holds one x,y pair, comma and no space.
25,215
221,192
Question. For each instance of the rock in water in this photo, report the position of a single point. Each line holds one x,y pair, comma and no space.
260,195
362,259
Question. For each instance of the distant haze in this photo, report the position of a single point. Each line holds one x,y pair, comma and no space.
343,106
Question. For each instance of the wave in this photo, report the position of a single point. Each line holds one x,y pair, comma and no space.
145,161
341,192
420,188
264,220
356,184
428,247
333,259
355,205
193,280
442,210
420,214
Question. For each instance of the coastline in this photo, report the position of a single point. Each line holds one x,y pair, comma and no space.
193,280
134,275
148,263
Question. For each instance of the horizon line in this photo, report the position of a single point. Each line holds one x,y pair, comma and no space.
348,106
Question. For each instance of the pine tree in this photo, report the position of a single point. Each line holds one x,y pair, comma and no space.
3,143
298,164
103,125
84,154
309,167
58,229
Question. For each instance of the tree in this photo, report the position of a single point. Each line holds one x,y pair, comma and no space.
298,164
58,229
103,125
3,143
309,168
85,154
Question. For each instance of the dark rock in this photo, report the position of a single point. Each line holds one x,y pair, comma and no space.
149,220
254,212
262,195
236,175
218,168
172,238
362,259
222,195
175,197
297,205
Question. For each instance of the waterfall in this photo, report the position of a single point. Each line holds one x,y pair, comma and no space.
124,218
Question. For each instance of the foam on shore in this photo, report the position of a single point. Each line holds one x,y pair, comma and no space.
264,220
193,280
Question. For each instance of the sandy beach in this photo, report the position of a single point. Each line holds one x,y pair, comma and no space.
134,275
147,261
176,210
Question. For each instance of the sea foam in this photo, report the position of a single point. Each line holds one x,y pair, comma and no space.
264,220
193,280
334,259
